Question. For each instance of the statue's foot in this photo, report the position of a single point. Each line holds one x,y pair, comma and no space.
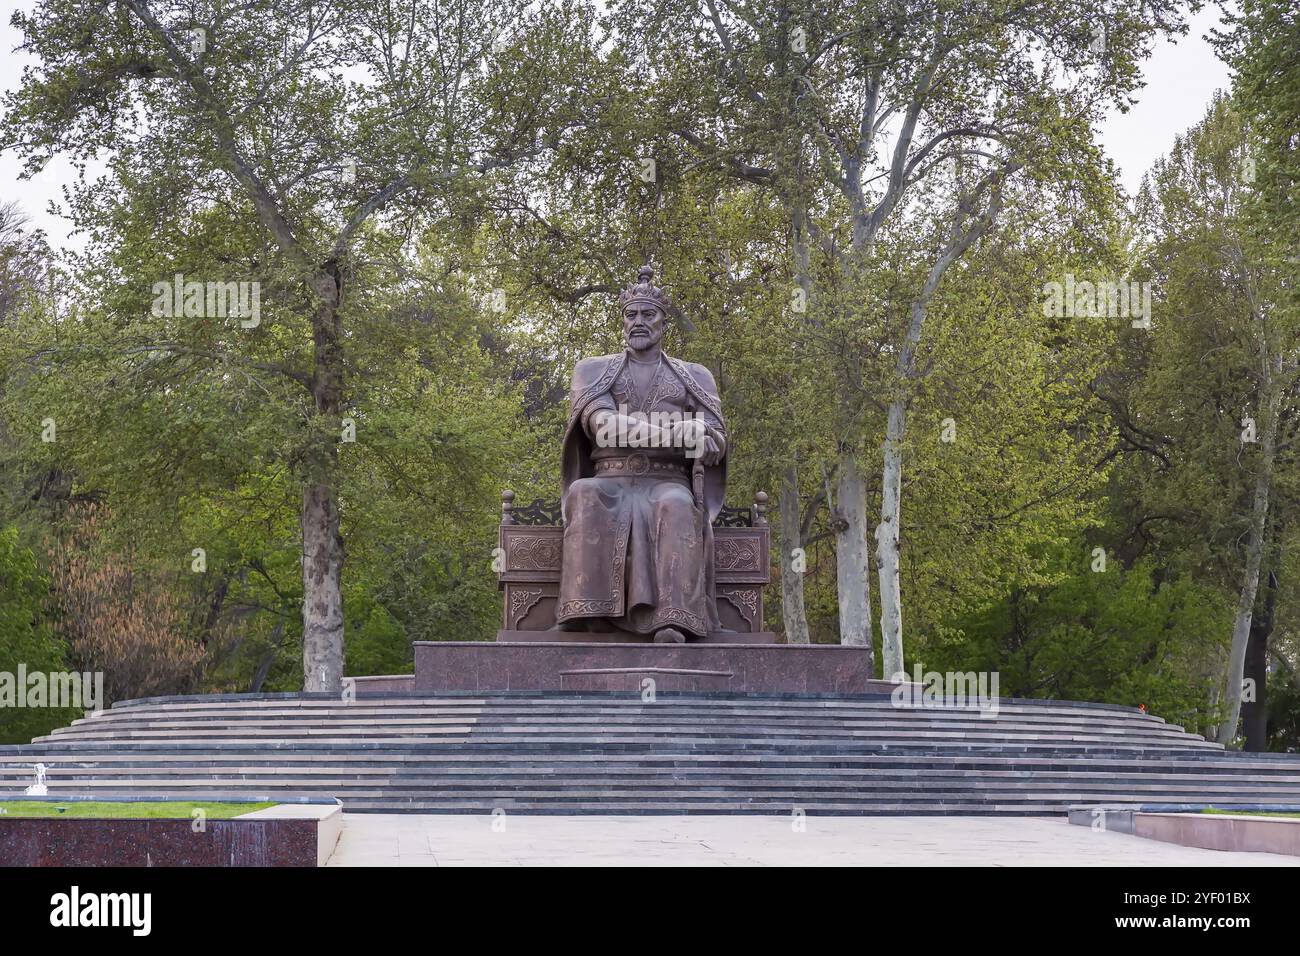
669,635
573,625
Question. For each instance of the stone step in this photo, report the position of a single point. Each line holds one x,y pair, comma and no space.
615,803
627,703
681,775
671,776
699,753
720,700
655,722
842,755
654,714
864,743
901,735
425,804
677,774
538,749
659,723
918,775
488,719
846,755
713,739
869,790
347,789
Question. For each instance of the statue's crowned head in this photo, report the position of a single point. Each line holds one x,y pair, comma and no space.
645,309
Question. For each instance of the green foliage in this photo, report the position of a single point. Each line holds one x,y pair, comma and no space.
377,642
1118,636
26,639
1284,713
519,170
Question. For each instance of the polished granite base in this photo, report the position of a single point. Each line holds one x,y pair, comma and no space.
582,666
297,835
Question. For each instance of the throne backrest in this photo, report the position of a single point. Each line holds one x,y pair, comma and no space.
531,544
541,512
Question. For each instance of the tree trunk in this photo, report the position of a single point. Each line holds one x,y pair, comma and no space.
891,477
792,604
1255,713
851,555
891,605
264,665
792,581
322,543
213,616
1212,707
1254,554
322,592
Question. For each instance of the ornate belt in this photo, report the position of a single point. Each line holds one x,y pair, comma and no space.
638,464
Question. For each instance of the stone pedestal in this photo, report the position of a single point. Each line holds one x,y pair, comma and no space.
623,637
577,665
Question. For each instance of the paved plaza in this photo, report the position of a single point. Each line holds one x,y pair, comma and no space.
481,840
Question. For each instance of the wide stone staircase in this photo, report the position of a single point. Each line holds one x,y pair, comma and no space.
615,753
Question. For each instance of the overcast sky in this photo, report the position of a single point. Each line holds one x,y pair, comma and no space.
1180,79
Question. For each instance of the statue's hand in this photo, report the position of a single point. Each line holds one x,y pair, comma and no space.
693,435
688,433
711,453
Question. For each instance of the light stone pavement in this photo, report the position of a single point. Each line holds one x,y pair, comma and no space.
522,840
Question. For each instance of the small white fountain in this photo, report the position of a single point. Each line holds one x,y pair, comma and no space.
38,789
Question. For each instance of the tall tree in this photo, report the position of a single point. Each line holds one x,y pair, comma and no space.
1261,49
316,119
880,119
1214,411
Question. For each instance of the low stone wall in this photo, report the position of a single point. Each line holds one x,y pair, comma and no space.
385,684
1187,826
482,666
287,835
1108,818
1220,831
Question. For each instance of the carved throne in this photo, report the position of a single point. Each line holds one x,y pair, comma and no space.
531,540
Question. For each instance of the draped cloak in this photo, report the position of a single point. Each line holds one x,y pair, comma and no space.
638,550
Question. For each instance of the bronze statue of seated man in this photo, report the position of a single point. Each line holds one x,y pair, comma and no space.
644,476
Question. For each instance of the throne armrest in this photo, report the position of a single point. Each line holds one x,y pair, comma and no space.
540,512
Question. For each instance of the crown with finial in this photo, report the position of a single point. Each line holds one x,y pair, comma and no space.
644,290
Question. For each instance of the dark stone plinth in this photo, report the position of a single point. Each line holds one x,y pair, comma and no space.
638,678
623,637
49,841
740,668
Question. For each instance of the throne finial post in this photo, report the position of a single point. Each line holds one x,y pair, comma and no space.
760,508
507,506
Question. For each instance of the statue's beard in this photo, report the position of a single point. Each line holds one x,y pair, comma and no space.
640,341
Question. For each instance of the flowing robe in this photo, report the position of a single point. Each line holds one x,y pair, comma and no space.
638,531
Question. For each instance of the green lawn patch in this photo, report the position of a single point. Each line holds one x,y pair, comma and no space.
1253,813
99,810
